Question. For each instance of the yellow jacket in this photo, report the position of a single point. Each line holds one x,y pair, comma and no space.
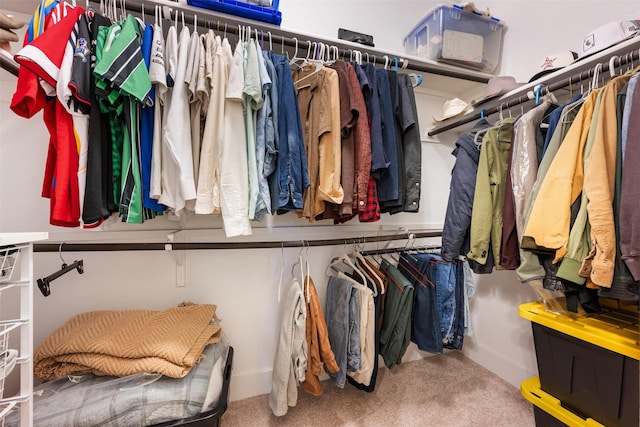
548,223
599,183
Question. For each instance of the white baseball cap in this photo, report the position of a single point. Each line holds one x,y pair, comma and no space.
554,62
607,35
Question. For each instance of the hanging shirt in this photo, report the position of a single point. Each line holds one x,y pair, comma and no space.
208,199
379,161
253,102
234,175
348,117
293,175
75,64
198,94
411,146
98,201
396,205
177,130
158,76
122,65
388,182
318,101
147,119
271,158
362,146
266,154
43,58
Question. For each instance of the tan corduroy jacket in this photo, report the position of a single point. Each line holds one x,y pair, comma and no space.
317,342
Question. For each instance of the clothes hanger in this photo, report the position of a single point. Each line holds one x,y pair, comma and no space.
319,66
416,79
293,61
612,65
44,283
341,260
365,270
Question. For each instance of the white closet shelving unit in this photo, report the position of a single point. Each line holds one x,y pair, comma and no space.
16,259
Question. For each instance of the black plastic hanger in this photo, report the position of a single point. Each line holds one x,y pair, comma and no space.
43,283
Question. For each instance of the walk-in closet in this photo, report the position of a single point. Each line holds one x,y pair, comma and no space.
310,213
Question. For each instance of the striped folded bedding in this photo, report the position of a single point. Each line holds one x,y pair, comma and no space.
121,343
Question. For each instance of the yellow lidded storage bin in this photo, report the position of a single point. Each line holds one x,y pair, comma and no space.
589,363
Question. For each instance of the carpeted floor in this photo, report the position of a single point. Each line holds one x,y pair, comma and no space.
447,390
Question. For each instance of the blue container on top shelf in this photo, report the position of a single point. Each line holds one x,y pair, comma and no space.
260,10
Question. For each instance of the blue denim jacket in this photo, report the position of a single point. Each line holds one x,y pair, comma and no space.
292,159
271,157
266,151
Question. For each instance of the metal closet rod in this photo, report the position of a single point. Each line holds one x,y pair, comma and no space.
524,98
177,246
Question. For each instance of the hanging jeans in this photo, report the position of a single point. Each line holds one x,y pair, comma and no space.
443,275
337,317
425,325
457,329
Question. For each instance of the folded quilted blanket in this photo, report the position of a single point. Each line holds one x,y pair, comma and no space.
121,343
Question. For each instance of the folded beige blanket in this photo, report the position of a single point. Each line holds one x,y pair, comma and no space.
121,343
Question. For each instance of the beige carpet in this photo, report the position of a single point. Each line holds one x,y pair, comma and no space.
443,390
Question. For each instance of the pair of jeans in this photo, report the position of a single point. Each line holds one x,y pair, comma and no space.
353,347
443,275
425,324
337,317
457,329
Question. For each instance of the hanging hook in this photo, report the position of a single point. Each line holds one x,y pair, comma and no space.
386,62
60,254
270,41
612,66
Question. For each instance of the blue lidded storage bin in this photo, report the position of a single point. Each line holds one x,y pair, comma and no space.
254,10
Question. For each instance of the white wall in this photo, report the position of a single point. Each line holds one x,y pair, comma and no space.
243,283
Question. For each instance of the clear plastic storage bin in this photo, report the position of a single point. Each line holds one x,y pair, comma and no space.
451,35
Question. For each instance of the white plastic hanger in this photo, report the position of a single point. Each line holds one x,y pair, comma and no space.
344,259
373,276
318,65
